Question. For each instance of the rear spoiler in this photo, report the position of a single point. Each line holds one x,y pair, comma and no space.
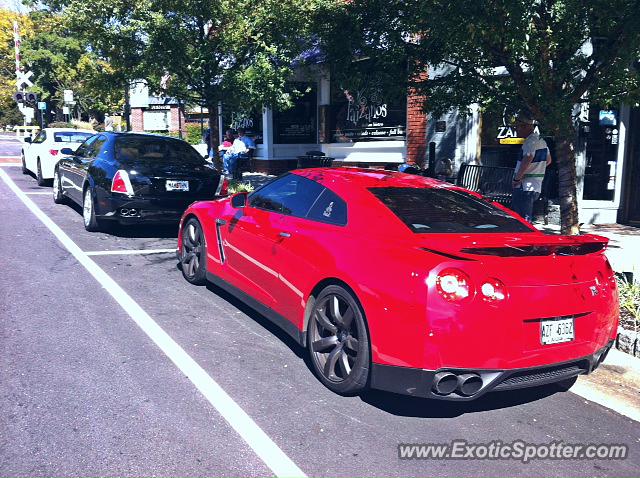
537,246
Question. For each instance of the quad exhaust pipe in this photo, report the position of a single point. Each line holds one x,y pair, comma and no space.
465,384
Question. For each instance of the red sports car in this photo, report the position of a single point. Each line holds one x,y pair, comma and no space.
407,284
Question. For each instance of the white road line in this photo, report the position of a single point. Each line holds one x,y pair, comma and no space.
139,251
242,423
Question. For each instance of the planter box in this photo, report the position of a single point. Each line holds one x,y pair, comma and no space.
628,341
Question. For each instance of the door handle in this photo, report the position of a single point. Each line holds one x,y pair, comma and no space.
285,234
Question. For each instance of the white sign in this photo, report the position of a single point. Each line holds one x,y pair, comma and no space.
68,96
156,120
139,94
23,79
65,110
42,105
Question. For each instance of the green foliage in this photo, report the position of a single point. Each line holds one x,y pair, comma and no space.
61,124
238,187
629,300
193,133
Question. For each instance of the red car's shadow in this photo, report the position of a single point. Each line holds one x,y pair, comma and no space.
406,406
395,404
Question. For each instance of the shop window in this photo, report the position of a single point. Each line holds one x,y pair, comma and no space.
298,125
601,154
250,121
365,114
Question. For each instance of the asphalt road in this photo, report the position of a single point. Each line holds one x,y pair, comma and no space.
84,391
9,147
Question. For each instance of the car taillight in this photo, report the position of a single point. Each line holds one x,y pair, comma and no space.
53,152
121,183
223,187
453,285
493,290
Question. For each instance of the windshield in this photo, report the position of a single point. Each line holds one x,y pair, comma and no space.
71,137
155,149
438,210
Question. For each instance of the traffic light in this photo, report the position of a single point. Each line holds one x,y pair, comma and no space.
19,97
31,98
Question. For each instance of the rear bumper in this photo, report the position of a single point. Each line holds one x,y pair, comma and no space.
127,210
422,383
134,210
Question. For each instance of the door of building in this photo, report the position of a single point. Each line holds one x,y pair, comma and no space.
631,193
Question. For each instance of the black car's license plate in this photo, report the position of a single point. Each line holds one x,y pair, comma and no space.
173,185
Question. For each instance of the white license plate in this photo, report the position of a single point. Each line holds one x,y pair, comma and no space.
556,331
177,185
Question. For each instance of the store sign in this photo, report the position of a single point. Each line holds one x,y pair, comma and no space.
250,122
160,107
364,115
156,120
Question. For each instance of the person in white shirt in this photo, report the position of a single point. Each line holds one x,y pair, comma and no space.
241,145
531,167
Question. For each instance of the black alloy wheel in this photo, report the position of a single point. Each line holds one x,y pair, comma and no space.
194,253
338,341
24,166
39,178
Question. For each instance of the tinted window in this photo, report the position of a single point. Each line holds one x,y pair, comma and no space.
433,210
290,194
84,148
40,138
329,208
71,137
154,149
95,147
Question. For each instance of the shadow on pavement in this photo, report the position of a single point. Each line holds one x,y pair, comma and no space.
405,406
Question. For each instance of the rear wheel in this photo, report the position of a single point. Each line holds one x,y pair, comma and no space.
58,197
40,179
338,341
91,222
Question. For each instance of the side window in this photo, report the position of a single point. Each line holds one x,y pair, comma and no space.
84,148
329,208
291,194
42,136
96,146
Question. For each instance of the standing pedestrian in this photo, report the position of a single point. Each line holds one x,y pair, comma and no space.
531,167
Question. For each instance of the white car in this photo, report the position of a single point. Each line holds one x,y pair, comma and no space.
41,154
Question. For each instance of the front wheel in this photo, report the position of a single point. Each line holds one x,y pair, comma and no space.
91,222
193,253
24,165
338,341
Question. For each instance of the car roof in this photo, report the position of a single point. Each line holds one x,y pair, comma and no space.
69,130
350,177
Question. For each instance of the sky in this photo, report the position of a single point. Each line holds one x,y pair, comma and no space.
15,5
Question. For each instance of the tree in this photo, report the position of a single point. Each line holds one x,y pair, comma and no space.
238,53
556,54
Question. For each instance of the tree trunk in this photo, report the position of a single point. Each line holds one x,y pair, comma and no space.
566,157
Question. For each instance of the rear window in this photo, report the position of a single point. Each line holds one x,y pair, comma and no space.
71,137
154,149
438,210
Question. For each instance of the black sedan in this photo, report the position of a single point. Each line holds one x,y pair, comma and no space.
130,178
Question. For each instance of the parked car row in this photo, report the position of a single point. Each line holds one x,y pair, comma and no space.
390,281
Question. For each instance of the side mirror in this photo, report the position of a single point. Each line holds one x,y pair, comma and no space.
239,200
66,151
27,139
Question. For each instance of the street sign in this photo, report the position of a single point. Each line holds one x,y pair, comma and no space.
23,79
42,105
65,110
68,96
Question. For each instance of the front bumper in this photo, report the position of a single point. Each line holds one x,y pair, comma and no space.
421,383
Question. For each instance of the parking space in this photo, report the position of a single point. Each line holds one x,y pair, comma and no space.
117,405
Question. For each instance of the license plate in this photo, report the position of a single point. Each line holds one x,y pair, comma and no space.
177,185
556,331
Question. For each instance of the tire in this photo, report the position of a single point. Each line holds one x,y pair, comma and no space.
39,178
91,222
193,253
338,341
58,196
24,166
